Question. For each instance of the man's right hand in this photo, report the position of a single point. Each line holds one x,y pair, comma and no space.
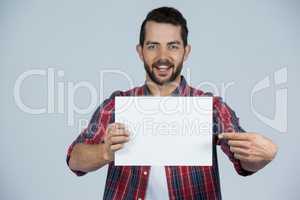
115,137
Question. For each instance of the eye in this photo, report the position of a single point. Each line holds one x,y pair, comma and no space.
173,47
151,46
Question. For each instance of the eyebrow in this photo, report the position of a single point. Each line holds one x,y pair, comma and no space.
174,42
151,42
169,43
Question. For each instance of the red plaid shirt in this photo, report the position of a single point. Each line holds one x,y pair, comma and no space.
184,182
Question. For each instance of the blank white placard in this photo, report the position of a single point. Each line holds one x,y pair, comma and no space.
165,131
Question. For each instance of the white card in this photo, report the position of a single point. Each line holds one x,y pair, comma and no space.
165,131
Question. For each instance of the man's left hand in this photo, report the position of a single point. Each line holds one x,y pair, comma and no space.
252,149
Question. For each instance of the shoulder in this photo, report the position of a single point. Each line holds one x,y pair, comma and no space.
218,104
225,119
108,103
136,91
217,100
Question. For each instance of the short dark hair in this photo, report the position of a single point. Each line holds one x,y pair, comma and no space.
165,15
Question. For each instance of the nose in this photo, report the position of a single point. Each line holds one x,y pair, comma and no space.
163,53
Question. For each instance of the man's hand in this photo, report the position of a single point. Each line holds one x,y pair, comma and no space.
253,150
115,137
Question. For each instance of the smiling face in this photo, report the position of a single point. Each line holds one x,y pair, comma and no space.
163,52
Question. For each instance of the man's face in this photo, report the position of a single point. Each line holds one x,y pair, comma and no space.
163,52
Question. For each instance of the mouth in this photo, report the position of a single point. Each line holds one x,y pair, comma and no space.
163,71
163,68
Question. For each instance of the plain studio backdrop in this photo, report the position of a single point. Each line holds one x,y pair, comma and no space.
59,59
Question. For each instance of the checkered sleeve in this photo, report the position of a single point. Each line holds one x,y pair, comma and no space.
225,120
95,131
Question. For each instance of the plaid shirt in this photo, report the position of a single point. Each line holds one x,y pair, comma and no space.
184,182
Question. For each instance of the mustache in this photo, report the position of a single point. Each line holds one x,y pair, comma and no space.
165,62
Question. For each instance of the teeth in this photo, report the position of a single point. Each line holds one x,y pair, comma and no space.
163,67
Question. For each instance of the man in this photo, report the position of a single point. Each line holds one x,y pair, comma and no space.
163,48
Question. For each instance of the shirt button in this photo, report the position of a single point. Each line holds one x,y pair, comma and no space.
145,173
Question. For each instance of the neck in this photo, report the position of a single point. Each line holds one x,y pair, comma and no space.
162,90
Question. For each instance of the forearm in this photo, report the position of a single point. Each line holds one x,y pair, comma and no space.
254,166
86,157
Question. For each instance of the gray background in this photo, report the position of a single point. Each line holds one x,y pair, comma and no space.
232,41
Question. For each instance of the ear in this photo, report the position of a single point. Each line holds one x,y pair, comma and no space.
187,49
139,50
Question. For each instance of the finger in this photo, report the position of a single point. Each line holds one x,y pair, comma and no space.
118,125
239,143
110,126
115,126
241,157
241,151
112,130
116,147
119,139
119,132
234,136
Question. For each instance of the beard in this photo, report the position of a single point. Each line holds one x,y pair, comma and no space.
176,70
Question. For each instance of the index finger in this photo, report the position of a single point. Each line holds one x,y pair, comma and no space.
234,136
